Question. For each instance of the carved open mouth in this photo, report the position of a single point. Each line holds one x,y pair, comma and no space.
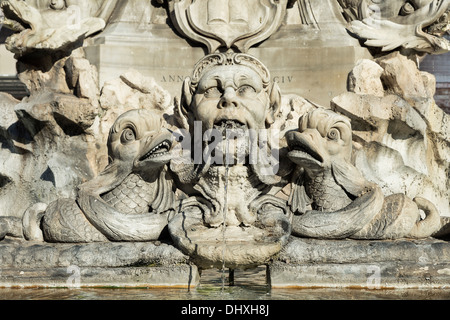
229,124
301,151
161,149
440,27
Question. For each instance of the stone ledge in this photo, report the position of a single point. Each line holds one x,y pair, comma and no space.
16,254
385,275
307,263
177,276
146,264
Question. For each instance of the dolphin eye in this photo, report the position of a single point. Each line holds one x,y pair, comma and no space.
334,134
128,135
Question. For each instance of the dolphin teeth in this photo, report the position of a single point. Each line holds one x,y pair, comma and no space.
161,149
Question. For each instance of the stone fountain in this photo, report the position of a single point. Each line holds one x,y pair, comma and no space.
163,138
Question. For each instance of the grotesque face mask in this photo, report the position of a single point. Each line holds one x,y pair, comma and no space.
230,91
232,97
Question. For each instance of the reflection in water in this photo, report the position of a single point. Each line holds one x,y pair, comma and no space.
248,285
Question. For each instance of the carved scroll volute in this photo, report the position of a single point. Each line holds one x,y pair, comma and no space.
228,23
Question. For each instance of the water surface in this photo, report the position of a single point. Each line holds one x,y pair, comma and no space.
248,285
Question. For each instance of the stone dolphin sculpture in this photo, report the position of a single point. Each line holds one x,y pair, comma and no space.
131,200
344,204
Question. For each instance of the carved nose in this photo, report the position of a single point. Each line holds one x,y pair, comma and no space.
229,99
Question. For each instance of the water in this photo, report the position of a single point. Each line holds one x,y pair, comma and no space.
249,285
225,209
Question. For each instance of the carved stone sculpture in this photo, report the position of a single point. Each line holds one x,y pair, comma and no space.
131,200
230,92
417,26
227,172
344,204
55,25
228,23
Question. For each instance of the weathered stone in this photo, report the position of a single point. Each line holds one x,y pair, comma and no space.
362,264
401,76
196,25
367,109
98,213
432,115
32,129
134,91
394,25
345,204
176,276
54,28
46,73
158,97
429,82
231,193
365,78
34,255
83,77
395,130
7,117
87,158
292,107
26,264
316,32
372,276
445,128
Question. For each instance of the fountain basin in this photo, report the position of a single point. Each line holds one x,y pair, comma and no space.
236,247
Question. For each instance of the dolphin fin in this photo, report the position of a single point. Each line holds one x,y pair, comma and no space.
298,199
349,178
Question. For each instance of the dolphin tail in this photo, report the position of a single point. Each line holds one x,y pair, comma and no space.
432,222
31,222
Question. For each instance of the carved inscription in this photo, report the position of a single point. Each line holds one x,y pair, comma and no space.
176,78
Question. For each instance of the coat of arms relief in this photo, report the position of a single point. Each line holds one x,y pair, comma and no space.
227,24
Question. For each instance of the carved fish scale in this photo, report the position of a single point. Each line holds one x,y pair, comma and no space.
326,193
133,196
64,222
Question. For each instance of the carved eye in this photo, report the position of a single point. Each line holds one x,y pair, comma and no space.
128,136
407,9
246,89
212,92
57,4
334,134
